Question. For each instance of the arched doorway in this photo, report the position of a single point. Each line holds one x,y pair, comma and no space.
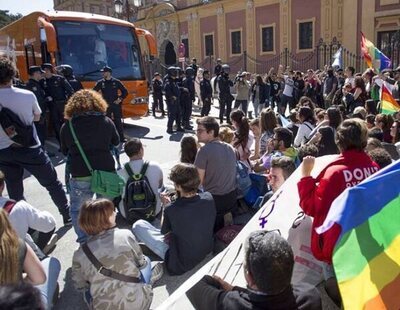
170,55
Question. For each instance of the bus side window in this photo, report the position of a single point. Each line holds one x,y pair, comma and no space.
30,56
45,54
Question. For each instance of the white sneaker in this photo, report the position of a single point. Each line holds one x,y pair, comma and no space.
51,244
156,273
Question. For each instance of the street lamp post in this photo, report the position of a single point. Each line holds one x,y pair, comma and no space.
127,7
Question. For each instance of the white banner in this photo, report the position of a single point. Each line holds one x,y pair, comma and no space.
281,213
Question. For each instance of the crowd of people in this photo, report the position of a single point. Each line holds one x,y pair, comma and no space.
226,172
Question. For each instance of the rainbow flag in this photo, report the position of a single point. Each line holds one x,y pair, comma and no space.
388,104
366,257
372,56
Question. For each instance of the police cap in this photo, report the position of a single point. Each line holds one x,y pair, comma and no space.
33,69
106,69
47,66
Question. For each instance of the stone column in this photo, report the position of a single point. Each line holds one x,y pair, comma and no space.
221,34
250,35
285,24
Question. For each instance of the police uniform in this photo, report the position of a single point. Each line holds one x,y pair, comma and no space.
111,90
172,95
58,90
206,95
187,98
68,73
75,84
225,97
36,87
157,86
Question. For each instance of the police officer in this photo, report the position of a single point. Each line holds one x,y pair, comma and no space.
68,73
113,92
58,90
217,71
172,94
194,66
206,93
187,97
225,96
157,86
35,86
218,67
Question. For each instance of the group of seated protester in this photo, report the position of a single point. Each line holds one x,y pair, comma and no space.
110,266
206,202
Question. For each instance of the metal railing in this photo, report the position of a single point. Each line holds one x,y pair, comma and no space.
321,55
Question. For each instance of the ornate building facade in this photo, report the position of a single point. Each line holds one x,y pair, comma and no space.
261,30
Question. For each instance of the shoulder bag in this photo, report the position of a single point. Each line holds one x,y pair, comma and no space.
108,184
105,271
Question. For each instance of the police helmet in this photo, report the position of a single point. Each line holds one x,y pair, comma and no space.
179,70
226,69
172,71
67,70
189,71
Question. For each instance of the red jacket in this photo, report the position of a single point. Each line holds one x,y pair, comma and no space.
317,195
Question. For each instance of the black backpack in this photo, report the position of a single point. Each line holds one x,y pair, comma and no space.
15,129
139,201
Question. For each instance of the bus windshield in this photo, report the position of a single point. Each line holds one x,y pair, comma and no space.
88,47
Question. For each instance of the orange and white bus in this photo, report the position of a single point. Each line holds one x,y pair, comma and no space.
87,42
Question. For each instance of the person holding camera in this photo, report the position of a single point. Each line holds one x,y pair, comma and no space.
242,87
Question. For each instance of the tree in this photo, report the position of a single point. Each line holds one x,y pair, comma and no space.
7,18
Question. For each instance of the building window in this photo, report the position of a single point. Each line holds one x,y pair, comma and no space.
306,35
236,42
186,43
386,41
267,39
209,44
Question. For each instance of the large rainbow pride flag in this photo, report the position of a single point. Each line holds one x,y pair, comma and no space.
373,56
366,257
388,104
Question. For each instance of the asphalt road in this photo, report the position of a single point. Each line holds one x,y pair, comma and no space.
160,147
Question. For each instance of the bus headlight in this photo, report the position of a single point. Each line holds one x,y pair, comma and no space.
140,100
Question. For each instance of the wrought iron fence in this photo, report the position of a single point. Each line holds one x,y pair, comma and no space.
320,56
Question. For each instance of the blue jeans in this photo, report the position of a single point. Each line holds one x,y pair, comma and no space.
13,161
79,193
151,236
243,104
52,268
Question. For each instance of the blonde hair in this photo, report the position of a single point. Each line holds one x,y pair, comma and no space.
85,100
226,134
9,244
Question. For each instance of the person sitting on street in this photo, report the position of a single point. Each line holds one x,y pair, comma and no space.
189,148
135,151
186,234
268,267
243,139
20,296
381,157
279,145
122,276
281,169
24,218
216,164
317,194
17,257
